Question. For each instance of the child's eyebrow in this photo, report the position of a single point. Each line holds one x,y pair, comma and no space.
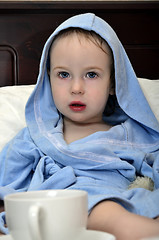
59,67
93,67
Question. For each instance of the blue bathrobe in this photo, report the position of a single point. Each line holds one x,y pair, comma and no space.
104,163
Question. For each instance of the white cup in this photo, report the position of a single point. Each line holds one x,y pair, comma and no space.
50,215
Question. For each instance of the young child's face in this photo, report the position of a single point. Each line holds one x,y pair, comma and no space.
80,78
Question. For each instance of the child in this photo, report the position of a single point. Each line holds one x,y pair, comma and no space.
73,140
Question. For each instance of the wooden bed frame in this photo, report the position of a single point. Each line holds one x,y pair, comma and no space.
25,26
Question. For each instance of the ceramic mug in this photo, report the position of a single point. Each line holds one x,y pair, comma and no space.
50,215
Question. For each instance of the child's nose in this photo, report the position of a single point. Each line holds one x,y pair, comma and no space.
77,86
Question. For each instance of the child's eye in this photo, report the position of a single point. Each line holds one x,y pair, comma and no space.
63,74
92,75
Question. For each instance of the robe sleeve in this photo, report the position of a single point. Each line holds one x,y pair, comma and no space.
18,161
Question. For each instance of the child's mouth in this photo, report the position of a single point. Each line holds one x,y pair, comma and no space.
77,106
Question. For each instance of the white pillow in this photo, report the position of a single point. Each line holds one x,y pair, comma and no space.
150,89
12,114
14,98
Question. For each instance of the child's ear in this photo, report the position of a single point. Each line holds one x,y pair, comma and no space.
112,90
112,83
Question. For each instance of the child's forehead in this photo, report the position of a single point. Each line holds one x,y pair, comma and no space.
83,36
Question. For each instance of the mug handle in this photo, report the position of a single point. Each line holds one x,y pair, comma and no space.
33,221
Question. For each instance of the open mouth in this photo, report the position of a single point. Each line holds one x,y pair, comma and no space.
77,106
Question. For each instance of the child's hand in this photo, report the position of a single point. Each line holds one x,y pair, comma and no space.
110,217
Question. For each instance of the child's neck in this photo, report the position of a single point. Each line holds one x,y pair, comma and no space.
74,131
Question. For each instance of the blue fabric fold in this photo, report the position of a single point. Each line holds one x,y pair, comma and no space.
104,163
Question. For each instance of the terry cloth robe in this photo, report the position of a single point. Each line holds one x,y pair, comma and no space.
104,163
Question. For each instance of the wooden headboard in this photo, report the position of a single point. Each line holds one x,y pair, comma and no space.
25,26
